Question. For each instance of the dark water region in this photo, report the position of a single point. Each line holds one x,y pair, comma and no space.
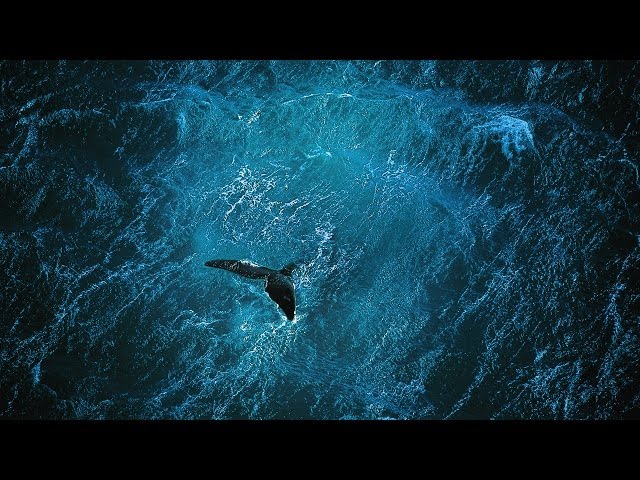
467,237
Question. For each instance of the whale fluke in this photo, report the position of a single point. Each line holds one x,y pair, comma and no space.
278,284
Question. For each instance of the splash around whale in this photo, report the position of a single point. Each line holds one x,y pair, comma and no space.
278,284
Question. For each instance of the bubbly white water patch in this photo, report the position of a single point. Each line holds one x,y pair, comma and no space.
516,134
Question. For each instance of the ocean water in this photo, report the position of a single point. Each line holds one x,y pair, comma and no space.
466,234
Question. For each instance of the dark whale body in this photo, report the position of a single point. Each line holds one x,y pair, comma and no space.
278,283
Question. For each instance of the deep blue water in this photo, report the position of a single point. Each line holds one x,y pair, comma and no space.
467,237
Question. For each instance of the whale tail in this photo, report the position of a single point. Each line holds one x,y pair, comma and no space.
278,284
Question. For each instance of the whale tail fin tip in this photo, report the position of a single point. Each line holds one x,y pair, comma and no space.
288,269
217,263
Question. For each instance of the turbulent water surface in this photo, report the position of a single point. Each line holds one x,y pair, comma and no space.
466,233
